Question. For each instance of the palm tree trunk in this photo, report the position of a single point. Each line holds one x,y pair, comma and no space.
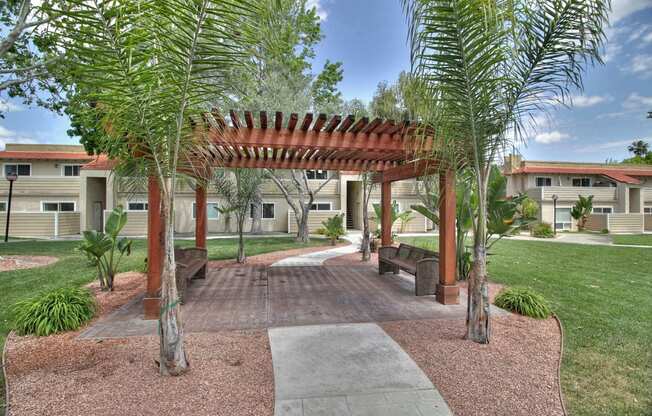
366,243
172,354
241,248
477,325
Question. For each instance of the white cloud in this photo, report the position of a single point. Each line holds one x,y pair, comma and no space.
588,100
635,101
10,136
8,107
623,8
322,13
550,137
641,64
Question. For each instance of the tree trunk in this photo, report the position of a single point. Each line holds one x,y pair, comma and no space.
256,223
477,320
241,247
366,238
172,354
303,232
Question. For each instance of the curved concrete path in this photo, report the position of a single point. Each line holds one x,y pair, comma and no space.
317,258
348,370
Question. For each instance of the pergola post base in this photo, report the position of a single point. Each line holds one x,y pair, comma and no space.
152,308
448,294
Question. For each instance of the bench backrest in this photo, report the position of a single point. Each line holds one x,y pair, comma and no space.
187,254
413,254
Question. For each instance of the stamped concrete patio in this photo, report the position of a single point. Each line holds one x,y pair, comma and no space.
263,297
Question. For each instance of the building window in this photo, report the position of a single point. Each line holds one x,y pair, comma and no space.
582,182
211,210
20,169
603,210
564,219
647,210
321,206
317,174
268,211
58,206
543,181
3,206
71,170
137,206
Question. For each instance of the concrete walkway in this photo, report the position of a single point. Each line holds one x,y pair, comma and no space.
318,258
348,370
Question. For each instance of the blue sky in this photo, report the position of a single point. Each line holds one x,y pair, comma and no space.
369,37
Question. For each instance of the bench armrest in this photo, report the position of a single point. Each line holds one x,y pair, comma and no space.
429,266
387,252
183,265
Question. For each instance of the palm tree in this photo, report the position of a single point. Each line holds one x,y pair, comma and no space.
148,69
486,65
640,148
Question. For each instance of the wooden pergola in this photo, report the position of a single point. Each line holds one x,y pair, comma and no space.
381,146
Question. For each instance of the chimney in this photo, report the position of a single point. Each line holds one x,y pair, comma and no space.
512,162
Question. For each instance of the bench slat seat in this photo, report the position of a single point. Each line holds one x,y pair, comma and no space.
423,264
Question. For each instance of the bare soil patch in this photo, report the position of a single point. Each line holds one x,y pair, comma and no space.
16,262
516,374
231,372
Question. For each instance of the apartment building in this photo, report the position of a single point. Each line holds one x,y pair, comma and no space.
61,191
622,194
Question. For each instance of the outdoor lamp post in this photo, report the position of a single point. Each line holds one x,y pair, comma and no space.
554,213
11,177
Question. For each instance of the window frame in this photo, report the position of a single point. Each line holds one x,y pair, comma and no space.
74,205
581,178
318,170
63,170
317,203
570,223
145,205
647,210
193,211
602,210
536,181
262,210
4,168
3,206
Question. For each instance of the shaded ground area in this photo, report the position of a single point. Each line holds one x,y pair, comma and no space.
259,297
514,375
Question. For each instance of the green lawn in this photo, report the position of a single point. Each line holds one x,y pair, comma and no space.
603,296
73,270
633,239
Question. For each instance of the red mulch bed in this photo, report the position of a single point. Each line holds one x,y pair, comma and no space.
516,374
8,263
231,372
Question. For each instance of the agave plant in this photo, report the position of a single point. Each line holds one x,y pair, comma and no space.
107,248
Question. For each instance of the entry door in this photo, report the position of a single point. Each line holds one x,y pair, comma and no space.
98,216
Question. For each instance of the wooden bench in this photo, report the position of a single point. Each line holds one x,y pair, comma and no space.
191,264
421,263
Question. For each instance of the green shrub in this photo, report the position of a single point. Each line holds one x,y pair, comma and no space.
523,301
55,311
542,230
605,231
334,227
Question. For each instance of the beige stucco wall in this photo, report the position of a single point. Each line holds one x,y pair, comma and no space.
625,223
315,219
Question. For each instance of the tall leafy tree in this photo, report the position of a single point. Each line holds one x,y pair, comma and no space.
145,72
640,148
239,187
326,97
28,54
485,66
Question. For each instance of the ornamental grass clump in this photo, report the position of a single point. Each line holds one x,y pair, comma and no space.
58,310
523,301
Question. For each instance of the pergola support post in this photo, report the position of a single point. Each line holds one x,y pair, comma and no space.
386,209
448,292
200,216
152,301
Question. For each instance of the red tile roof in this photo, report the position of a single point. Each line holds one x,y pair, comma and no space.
43,155
617,173
100,162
